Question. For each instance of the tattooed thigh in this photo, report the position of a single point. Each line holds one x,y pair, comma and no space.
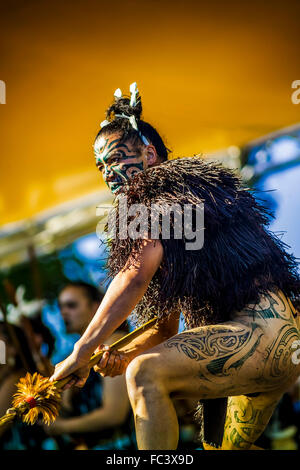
221,358
231,359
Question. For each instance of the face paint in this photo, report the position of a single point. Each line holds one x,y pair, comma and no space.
117,161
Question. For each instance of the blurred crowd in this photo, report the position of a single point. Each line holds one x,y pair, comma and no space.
97,416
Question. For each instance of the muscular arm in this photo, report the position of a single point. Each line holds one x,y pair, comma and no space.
115,362
152,337
124,292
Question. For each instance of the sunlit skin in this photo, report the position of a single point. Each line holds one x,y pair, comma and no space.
248,354
120,161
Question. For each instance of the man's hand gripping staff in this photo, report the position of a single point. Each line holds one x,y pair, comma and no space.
40,395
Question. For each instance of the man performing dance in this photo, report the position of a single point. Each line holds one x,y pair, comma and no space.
237,293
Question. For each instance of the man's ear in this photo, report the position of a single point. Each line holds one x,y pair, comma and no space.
151,155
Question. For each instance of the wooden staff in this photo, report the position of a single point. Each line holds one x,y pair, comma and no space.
37,395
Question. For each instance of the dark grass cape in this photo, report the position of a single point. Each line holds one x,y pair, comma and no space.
240,258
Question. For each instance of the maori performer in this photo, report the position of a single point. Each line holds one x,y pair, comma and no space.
238,294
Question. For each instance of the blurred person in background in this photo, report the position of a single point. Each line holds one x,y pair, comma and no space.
283,430
98,415
19,360
40,341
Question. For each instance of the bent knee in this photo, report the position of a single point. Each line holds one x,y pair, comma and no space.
144,370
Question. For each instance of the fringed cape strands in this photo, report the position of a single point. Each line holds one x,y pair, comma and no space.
240,258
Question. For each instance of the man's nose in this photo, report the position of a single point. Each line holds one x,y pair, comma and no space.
109,174
64,312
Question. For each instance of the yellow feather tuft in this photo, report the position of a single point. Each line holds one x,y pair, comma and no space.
37,395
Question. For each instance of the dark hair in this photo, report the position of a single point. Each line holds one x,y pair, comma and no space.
121,124
94,295
41,329
91,292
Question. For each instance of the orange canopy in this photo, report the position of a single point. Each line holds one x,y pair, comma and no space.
211,75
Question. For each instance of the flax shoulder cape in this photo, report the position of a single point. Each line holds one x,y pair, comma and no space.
239,260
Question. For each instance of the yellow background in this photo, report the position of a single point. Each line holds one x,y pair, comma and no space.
211,75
